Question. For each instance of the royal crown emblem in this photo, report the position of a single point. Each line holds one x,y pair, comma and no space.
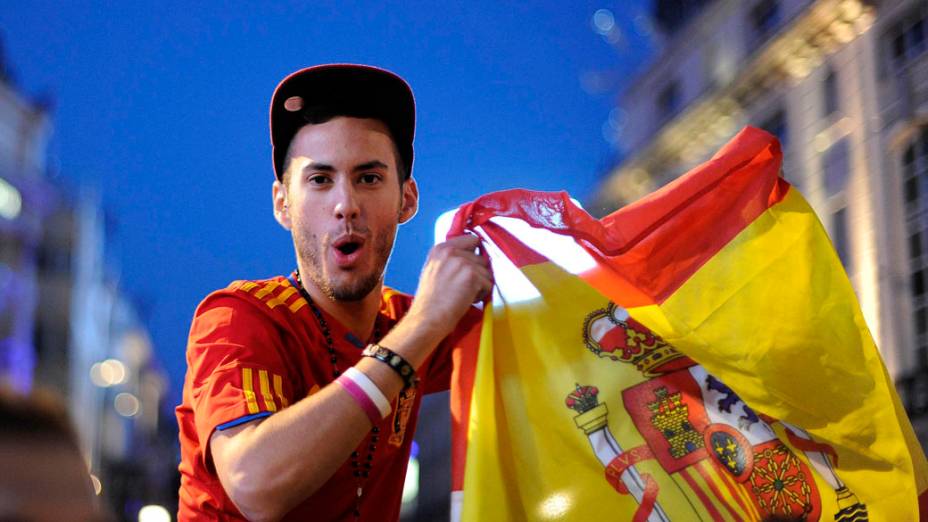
582,399
612,334
591,414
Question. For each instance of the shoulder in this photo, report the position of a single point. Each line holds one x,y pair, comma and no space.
246,309
274,296
394,303
249,320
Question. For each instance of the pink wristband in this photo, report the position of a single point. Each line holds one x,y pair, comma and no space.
361,398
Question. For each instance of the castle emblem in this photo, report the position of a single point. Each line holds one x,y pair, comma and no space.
671,418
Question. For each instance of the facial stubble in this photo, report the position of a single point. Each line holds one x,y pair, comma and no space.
310,258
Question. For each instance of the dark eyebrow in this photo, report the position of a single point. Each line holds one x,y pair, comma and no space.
313,166
370,165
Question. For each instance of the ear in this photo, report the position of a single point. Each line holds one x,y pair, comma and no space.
410,201
281,209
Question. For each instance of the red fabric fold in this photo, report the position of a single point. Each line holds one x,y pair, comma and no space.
643,241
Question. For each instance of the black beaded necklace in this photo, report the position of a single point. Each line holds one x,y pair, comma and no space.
360,471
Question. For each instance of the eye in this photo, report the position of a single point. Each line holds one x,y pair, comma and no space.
370,178
318,179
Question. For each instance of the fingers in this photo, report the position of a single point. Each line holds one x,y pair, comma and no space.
455,276
474,258
466,242
466,246
485,288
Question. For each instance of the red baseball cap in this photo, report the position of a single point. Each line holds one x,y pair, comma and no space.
349,89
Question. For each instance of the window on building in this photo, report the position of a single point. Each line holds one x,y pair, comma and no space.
776,124
671,15
914,162
830,100
710,63
908,39
836,167
668,101
915,246
836,170
839,237
764,20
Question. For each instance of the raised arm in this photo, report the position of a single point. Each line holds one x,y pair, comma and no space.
268,467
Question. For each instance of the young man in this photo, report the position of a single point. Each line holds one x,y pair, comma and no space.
283,416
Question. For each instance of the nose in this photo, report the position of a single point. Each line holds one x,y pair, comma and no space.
346,201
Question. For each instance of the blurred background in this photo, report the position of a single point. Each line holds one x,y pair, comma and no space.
135,167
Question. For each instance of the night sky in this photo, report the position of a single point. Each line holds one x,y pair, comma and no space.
162,108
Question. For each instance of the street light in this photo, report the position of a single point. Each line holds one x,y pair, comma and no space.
154,513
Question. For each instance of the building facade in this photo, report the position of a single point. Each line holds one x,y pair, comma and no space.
67,325
844,85
25,201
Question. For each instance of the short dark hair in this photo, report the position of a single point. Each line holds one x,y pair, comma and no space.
319,114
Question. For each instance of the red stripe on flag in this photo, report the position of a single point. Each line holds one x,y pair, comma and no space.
464,361
658,242
710,507
737,492
701,468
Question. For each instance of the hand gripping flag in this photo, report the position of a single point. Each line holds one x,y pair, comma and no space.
697,355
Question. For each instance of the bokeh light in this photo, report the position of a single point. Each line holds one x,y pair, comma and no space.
126,404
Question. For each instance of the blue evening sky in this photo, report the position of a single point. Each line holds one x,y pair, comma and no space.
162,107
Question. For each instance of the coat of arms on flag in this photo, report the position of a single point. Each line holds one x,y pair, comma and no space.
698,355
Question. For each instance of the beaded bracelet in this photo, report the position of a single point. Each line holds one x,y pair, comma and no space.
395,361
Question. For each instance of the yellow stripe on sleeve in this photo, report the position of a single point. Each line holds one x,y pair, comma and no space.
279,390
247,286
281,298
249,389
266,391
297,304
268,288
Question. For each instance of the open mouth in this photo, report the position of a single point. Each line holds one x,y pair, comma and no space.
349,247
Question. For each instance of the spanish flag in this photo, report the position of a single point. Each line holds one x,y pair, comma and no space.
697,355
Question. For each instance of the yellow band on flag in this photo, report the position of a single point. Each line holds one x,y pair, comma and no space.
698,355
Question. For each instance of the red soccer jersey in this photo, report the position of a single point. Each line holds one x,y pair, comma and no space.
255,348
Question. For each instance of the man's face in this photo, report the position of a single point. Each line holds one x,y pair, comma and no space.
342,203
